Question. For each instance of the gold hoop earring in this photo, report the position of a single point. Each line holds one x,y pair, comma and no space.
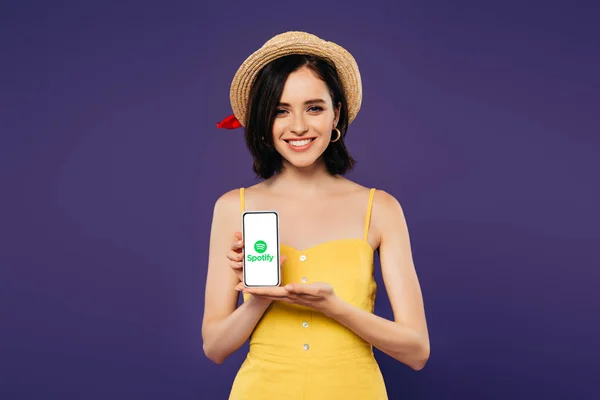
339,135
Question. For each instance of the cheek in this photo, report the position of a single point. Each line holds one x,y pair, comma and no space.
324,127
325,123
278,128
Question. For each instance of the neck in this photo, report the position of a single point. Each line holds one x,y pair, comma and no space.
301,182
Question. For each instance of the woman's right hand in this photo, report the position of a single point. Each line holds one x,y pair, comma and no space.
236,256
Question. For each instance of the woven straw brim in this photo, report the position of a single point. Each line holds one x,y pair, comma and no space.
296,43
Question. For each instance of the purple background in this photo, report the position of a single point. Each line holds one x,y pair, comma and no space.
483,120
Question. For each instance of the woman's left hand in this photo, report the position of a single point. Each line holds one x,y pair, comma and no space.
319,295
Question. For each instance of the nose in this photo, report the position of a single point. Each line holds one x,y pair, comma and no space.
298,125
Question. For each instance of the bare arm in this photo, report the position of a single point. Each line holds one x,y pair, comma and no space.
406,338
226,327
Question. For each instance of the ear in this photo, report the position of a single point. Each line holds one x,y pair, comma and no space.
336,119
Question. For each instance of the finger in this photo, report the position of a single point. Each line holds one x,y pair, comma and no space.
295,297
237,245
262,292
241,288
306,290
282,259
273,292
236,265
234,256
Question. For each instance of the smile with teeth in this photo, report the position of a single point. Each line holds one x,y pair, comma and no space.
299,143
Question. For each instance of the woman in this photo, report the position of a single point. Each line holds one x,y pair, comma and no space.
311,337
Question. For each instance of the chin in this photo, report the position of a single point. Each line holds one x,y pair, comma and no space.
300,161
301,164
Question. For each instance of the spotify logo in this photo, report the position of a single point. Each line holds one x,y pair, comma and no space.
260,246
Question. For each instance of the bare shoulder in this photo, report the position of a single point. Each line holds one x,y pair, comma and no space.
387,214
228,202
386,205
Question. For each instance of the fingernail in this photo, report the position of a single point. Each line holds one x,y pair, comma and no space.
239,243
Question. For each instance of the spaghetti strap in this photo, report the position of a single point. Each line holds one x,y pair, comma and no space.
368,217
242,202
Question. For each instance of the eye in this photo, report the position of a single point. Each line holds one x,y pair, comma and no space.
279,111
315,109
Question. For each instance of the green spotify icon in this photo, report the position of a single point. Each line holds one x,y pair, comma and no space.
260,246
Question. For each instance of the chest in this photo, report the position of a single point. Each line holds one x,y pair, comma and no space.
303,226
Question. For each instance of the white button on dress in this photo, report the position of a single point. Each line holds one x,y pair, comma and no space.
302,257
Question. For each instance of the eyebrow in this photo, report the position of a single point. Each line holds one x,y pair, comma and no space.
313,101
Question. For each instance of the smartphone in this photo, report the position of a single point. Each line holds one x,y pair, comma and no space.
260,231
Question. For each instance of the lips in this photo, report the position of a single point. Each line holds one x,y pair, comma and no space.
300,144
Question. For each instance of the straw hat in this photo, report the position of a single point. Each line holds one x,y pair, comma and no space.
296,42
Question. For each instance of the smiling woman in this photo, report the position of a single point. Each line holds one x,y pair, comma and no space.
311,337
300,99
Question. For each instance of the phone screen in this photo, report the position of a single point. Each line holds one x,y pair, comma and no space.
261,248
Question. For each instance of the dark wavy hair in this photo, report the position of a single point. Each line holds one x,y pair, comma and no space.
264,98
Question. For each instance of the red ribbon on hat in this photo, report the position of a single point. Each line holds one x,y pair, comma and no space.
230,122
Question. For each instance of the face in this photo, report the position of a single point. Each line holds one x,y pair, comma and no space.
304,120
